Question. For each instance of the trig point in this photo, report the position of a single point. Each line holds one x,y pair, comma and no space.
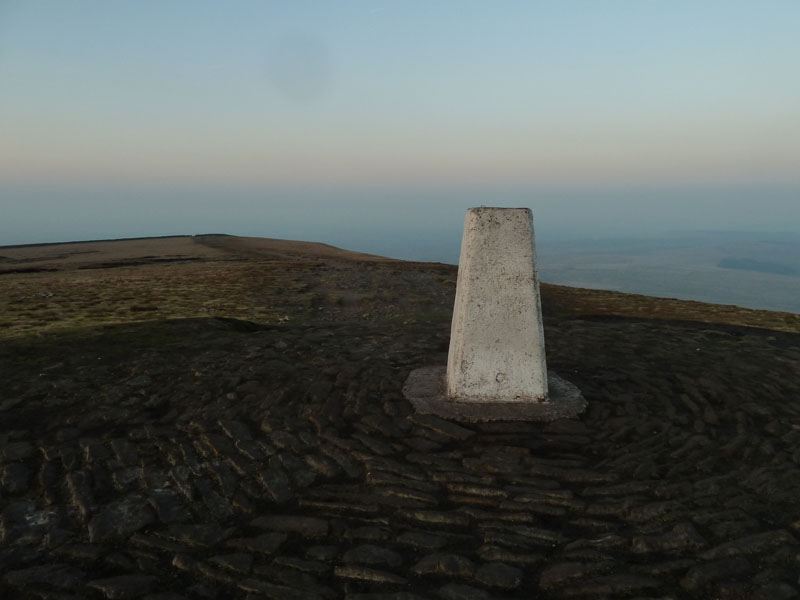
496,367
496,339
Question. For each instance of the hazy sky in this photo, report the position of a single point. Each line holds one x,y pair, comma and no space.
284,117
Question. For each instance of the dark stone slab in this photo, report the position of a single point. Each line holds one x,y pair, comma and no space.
268,543
385,596
368,575
499,575
121,518
752,544
702,575
622,585
681,538
369,554
460,591
12,451
305,526
447,565
435,518
276,483
313,567
421,540
57,575
446,428
276,592
124,586
561,573
14,478
240,562
197,535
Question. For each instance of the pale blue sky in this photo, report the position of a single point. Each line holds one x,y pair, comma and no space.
385,110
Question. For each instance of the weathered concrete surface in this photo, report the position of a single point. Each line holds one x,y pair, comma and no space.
496,340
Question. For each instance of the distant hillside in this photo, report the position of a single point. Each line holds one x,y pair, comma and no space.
130,252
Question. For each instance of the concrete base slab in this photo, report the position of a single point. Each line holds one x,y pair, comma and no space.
426,388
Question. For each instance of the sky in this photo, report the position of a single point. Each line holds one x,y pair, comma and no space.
360,120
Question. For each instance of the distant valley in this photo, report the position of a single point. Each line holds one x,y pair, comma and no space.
755,270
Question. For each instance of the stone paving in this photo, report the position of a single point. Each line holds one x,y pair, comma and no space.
216,459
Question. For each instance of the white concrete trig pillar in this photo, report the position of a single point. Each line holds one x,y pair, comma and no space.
496,367
496,338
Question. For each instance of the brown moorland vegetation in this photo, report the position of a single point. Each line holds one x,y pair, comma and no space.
62,286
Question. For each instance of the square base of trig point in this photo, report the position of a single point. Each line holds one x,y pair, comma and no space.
496,366
426,389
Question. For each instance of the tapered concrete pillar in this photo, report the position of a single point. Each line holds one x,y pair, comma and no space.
496,367
496,338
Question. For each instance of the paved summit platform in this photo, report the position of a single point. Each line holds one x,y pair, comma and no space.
215,458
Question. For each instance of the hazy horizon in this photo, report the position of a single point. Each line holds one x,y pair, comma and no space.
364,220
376,124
